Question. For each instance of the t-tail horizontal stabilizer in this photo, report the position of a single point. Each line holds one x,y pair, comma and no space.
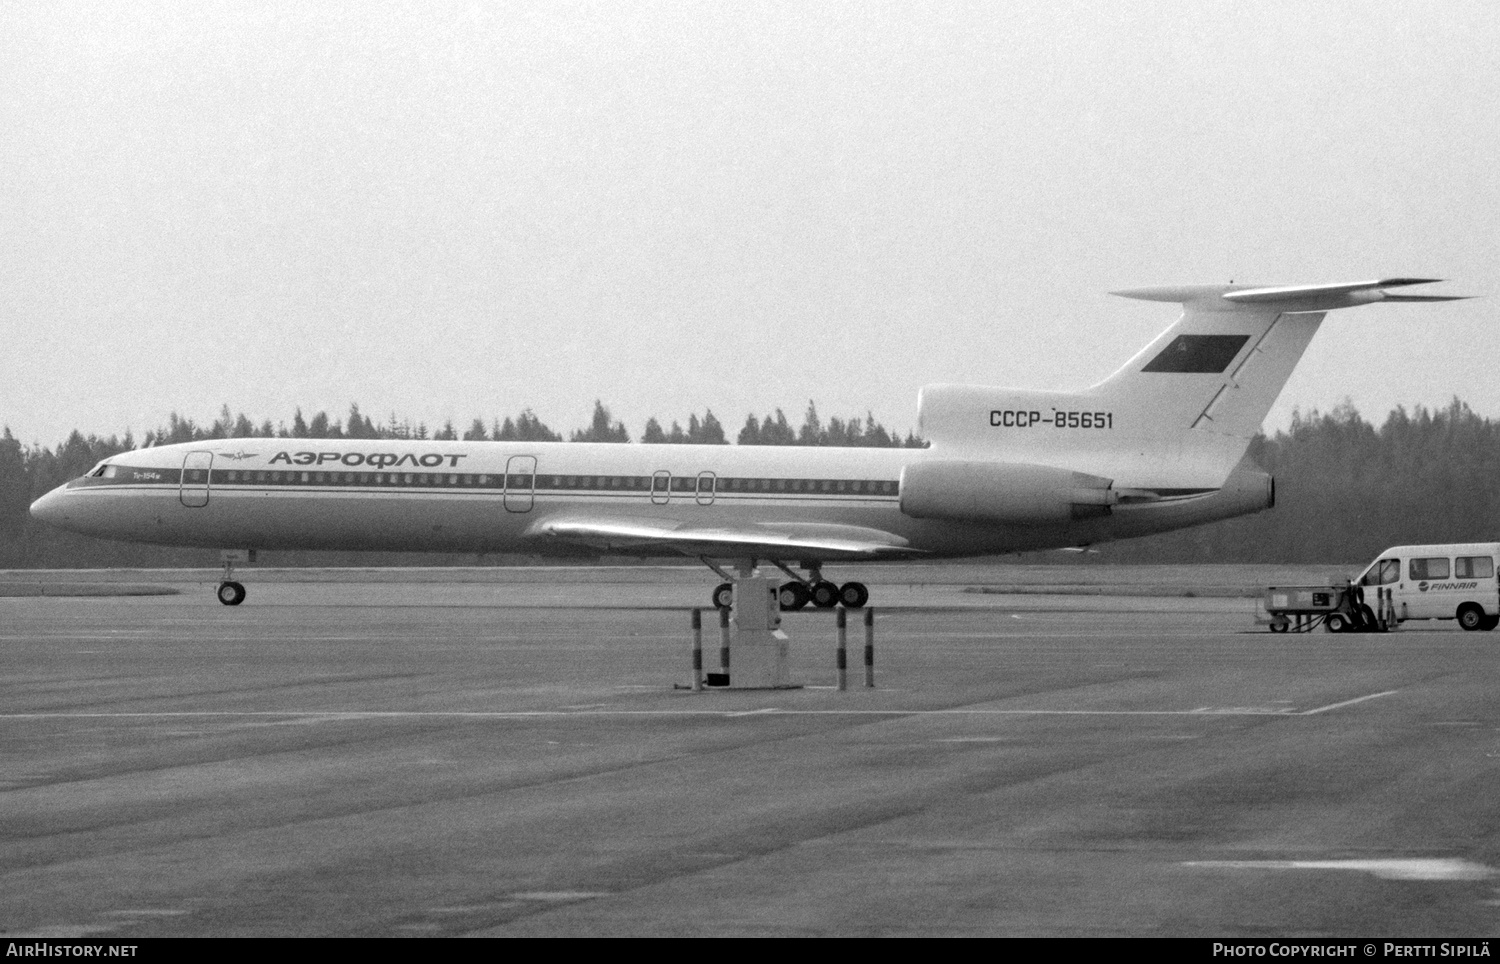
1287,298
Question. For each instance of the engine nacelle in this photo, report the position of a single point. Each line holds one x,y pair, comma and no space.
1002,492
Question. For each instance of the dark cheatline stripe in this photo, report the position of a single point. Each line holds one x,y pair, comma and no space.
681,487
620,486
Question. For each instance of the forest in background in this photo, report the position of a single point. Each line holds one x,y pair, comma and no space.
1345,489
30,471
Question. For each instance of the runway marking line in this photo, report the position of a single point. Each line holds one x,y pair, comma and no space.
1394,868
1337,706
760,711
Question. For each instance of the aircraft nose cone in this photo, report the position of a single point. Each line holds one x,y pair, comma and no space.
49,507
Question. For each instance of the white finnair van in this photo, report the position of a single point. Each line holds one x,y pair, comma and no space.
1455,581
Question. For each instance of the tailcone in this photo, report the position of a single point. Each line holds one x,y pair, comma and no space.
1247,490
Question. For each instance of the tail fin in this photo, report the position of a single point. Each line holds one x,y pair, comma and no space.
1184,409
1220,368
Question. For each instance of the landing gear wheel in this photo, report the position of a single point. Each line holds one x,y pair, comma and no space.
792,595
723,595
854,595
1280,624
825,595
1336,623
1471,617
231,593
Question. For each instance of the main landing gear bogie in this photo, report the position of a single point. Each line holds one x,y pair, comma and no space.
793,596
796,595
854,595
823,595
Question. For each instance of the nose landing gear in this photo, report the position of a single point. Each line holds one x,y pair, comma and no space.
232,593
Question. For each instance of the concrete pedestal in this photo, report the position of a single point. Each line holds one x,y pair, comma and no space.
759,650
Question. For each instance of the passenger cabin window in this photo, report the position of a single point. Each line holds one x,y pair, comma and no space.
1474,567
1429,569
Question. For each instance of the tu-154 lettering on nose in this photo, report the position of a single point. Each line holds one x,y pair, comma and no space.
1158,445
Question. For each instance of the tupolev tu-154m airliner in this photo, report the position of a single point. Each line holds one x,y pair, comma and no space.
1158,445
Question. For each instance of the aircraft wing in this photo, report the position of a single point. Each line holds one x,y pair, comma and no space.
768,540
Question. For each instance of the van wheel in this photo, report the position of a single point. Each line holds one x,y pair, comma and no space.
1367,621
1471,617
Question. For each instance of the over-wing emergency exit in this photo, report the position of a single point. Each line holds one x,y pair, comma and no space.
1158,445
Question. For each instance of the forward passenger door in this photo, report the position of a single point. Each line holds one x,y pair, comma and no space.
196,469
520,483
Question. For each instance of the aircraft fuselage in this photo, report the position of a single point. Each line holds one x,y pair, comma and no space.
490,497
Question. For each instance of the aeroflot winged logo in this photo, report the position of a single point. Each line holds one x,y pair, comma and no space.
379,460
236,456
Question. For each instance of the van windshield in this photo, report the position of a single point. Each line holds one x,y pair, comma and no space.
1382,573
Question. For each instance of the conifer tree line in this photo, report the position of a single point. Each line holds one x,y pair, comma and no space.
527,427
1346,489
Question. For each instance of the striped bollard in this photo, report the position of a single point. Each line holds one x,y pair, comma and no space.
869,648
843,661
697,651
724,641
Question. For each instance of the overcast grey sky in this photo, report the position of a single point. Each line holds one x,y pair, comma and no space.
450,210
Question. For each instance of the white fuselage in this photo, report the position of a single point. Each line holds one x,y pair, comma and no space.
1158,445
497,497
